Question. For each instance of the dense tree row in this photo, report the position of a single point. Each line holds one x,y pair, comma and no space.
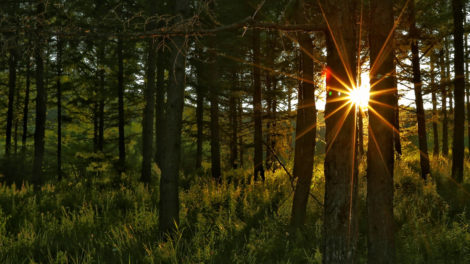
131,84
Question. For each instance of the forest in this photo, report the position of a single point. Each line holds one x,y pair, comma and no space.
222,131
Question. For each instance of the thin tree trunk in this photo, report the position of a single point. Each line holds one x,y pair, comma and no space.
443,87
458,145
122,146
160,107
149,109
233,122
396,103
41,98
24,135
305,135
340,216
199,124
450,87
257,108
101,97
240,137
434,109
214,122
59,109
380,154
169,201
420,114
11,98
467,88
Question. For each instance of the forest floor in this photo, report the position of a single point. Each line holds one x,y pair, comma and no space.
93,220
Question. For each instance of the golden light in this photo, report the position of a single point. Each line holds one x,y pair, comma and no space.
360,95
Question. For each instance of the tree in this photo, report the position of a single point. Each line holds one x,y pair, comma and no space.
380,155
169,201
420,115
340,217
459,90
445,130
257,108
59,107
305,133
120,92
214,111
434,107
41,98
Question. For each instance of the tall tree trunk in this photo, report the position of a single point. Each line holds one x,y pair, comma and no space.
380,154
17,110
361,131
305,135
240,137
467,89
199,124
169,201
214,123
11,98
160,107
101,97
233,121
149,109
420,114
458,145
340,216
443,87
257,108
396,124
59,109
41,98
450,88
434,109
24,135
122,146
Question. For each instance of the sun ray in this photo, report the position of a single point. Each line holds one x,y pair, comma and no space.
336,110
345,65
382,104
372,135
383,119
339,125
390,34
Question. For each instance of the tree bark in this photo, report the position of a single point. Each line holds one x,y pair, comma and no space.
434,109
257,108
59,109
233,122
24,135
41,98
149,109
160,107
11,98
169,201
458,145
443,87
199,124
420,114
340,216
305,135
214,122
380,154
121,142
101,97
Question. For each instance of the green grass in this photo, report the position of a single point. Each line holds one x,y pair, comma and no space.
93,221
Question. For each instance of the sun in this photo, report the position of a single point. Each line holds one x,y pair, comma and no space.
359,96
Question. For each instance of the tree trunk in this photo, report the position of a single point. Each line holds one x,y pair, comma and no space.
458,145
169,201
434,109
149,109
160,107
467,89
396,104
233,122
380,154
199,124
240,124
24,135
450,88
101,97
420,114
59,109
257,108
41,98
443,87
122,146
214,123
340,216
11,98
305,135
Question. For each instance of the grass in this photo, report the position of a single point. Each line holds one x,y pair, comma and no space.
84,220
